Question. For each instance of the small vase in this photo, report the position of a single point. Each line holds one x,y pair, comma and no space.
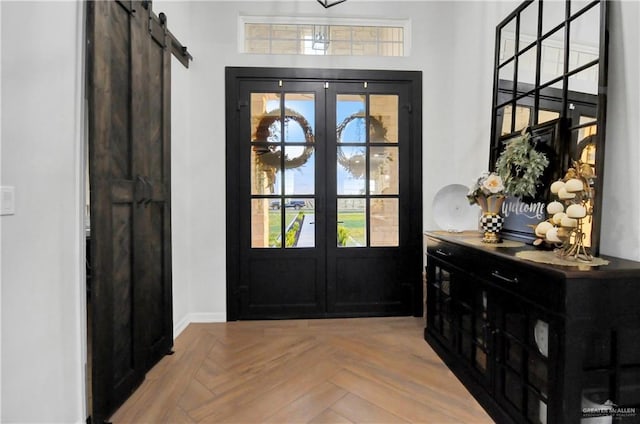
491,220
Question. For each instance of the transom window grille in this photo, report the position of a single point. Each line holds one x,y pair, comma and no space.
258,36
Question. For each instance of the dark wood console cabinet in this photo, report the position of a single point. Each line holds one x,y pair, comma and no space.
535,343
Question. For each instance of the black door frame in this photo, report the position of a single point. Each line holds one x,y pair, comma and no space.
233,78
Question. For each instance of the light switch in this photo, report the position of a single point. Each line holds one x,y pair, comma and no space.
7,200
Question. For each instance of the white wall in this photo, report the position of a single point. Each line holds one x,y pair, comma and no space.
621,202
42,267
178,23
453,45
214,46
43,341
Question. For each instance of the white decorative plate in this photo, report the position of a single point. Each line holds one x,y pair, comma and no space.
541,335
452,211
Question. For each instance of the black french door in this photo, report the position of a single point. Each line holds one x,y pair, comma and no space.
323,196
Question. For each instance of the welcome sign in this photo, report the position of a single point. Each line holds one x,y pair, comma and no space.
521,218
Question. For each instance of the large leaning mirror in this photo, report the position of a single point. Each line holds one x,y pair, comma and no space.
550,77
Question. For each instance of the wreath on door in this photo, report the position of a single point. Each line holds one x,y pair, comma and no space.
355,165
267,155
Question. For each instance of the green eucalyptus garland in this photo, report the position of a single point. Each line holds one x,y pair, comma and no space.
520,165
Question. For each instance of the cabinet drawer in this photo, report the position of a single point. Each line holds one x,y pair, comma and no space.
544,289
449,252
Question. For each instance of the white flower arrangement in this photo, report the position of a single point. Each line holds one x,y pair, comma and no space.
488,184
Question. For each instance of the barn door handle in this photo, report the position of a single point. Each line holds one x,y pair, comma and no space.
140,190
149,192
144,191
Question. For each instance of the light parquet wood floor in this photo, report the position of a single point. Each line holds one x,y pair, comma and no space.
364,370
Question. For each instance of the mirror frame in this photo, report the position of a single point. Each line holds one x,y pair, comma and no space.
543,94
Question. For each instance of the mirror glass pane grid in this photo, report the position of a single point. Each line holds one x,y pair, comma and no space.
523,117
527,66
547,115
552,60
282,137
585,81
578,5
507,41
505,74
367,156
553,14
528,26
584,38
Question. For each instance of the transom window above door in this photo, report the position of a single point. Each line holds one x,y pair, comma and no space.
334,37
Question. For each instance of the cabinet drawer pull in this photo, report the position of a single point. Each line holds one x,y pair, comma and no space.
443,253
496,274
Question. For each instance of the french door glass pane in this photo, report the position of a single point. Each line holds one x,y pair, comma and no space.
283,137
352,222
265,223
366,167
266,153
266,174
383,112
383,176
300,223
350,118
265,117
351,170
299,117
299,174
384,222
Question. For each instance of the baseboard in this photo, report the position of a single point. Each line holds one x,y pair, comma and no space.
180,326
200,317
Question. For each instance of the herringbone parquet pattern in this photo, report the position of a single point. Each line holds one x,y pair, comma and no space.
369,370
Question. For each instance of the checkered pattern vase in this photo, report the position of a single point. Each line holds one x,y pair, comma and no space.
491,223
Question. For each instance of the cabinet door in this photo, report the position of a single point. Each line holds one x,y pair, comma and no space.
440,315
473,332
526,349
457,314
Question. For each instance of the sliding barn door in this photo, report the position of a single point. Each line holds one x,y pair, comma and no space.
129,144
